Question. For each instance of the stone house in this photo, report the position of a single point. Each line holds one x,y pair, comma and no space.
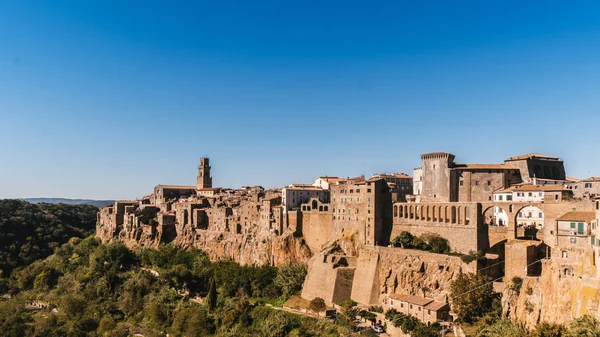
589,187
425,309
575,229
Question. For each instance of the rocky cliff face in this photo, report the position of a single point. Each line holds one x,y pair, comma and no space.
418,273
561,293
250,249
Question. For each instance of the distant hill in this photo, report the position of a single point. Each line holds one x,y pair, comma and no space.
96,203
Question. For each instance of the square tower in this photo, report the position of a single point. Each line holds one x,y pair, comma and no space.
204,179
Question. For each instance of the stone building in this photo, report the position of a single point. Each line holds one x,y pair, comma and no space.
363,208
204,179
586,188
295,195
539,166
400,184
440,179
425,309
575,229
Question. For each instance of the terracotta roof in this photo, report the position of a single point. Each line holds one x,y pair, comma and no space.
578,216
530,155
329,178
592,179
485,167
435,306
571,179
504,190
180,187
309,187
422,301
551,187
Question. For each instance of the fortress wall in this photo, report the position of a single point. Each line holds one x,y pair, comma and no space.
462,239
316,229
365,289
322,280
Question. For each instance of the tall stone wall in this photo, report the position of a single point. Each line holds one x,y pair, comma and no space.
328,279
365,289
457,222
317,229
566,289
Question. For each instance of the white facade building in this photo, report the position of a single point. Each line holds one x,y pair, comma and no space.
292,197
417,183
324,182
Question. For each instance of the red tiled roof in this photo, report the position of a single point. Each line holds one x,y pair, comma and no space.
422,301
578,216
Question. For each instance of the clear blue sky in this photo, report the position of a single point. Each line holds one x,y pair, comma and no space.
105,99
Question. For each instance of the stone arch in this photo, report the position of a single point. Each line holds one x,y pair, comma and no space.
466,215
440,218
401,211
495,215
446,215
395,211
434,213
326,208
321,208
453,214
427,217
458,217
410,215
521,218
418,212
314,204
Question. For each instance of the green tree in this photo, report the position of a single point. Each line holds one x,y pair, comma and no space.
290,278
317,305
211,298
586,326
439,245
472,297
404,240
502,328
193,320
548,330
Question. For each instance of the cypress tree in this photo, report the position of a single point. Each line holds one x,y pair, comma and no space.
211,298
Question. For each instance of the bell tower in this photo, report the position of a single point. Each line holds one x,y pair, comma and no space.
204,179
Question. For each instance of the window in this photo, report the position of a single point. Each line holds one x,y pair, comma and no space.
369,199
460,183
580,228
489,183
419,308
411,306
530,214
588,185
565,254
597,204
368,190
351,191
572,225
476,182
500,198
357,190
520,214
556,197
428,312
540,215
434,166
530,194
509,198
540,194
573,240
490,198
592,240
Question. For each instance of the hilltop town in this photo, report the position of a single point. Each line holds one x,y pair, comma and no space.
522,218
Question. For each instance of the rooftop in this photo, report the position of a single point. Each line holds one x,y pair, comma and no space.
435,306
422,301
549,187
578,216
591,179
179,187
532,155
484,167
